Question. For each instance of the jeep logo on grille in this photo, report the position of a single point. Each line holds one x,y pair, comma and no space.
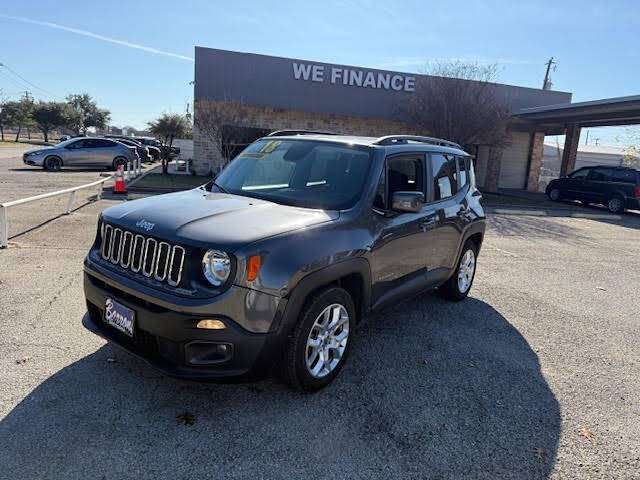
145,225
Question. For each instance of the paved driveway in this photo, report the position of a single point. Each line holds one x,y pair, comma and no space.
536,375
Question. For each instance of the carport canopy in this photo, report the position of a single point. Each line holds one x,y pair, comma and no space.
569,118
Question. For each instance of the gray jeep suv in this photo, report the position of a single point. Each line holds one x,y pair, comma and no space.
277,260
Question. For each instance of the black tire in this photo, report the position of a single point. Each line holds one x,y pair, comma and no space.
555,194
119,161
616,204
294,363
52,164
451,288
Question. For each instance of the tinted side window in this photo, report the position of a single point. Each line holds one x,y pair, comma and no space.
103,143
462,178
625,176
445,184
404,175
601,174
580,173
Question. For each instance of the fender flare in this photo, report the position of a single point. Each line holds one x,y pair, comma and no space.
319,278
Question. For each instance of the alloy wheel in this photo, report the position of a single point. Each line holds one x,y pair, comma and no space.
327,340
615,205
466,270
554,194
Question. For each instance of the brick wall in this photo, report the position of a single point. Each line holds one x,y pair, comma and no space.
207,158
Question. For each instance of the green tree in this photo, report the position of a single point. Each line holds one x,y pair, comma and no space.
51,115
18,114
166,128
88,113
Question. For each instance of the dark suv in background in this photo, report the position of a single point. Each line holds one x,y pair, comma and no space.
278,259
615,187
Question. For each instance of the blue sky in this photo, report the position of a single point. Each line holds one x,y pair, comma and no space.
133,57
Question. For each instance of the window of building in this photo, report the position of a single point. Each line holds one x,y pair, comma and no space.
445,184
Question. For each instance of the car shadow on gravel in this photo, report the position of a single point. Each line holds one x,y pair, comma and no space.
431,390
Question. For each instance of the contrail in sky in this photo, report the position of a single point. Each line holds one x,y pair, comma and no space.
97,36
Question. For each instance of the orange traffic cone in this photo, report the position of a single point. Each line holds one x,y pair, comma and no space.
119,186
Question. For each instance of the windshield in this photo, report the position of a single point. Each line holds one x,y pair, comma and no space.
302,173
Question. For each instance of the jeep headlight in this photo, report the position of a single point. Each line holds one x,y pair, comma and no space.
216,266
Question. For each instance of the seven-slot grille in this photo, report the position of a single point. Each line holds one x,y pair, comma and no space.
146,255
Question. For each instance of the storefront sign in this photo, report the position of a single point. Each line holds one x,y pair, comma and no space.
353,77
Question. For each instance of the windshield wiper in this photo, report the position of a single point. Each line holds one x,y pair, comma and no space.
213,183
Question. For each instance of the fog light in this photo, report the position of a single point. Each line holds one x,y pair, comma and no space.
211,324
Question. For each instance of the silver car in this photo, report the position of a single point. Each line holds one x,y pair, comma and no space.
81,152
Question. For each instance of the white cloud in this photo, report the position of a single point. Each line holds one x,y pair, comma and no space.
97,37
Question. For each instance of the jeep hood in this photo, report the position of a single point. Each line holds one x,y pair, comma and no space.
197,217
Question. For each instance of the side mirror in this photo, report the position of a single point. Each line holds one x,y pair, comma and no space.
407,201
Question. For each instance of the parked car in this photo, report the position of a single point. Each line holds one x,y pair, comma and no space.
64,138
615,187
280,257
81,151
141,150
150,141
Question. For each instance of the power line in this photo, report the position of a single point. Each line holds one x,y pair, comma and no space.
28,82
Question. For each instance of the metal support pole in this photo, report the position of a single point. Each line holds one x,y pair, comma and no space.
128,171
4,227
72,195
99,193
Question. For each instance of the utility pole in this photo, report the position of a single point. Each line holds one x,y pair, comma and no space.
546,85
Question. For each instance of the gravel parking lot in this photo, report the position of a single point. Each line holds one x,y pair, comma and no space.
536,375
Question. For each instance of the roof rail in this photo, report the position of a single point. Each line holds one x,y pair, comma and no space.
282,133
396,139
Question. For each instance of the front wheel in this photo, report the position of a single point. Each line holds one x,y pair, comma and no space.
554,194
53,164
321,340
458,286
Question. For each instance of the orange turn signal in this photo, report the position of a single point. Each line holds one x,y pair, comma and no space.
211,324
253,267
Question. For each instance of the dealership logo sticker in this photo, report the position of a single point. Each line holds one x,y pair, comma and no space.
145,225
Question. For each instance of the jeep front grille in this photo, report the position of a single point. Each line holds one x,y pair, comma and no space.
145,255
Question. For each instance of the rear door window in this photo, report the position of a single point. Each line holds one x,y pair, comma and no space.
625,176
445,183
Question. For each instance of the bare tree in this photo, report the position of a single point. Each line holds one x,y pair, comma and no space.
631,152
458,101
217,122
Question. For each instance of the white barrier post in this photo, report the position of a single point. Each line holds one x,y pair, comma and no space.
70,202
128,171
4,227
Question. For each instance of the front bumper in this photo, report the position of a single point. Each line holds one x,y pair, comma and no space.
167,338
34,160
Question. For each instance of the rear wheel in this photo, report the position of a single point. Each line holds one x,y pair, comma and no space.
119,161
321,340
53,164
458,286
615,204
